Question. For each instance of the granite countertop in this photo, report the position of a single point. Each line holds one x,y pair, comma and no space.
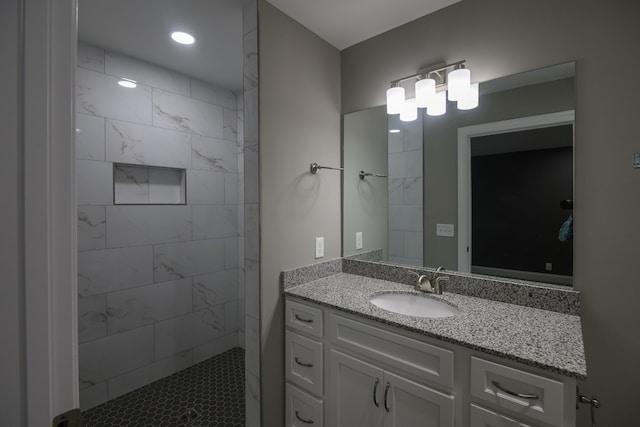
541,338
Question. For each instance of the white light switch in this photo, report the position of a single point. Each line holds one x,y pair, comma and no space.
548,266
319,247
445,230
359,240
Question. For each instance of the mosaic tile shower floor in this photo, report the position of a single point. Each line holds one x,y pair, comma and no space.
208,394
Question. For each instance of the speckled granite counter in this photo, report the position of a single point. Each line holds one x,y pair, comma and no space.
541,338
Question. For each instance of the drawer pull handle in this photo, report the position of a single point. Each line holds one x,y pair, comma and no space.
306,365
304,420
513,393
375,389
304,320
386,394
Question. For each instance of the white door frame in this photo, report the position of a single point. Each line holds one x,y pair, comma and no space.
464,168
51,344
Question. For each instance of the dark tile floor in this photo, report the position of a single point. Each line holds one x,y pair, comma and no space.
209,394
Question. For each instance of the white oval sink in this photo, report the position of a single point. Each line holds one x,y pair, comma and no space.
413,305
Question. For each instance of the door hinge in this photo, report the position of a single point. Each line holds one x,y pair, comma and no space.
68,419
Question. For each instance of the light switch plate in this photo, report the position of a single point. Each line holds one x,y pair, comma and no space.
445,230
359,240
319,247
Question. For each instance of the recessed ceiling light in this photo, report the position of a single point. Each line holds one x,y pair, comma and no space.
182,38
128,83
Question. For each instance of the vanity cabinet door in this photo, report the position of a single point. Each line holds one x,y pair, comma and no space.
409,404
356,392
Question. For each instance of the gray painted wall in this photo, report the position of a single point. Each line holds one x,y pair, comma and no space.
299,124
529,35
12,242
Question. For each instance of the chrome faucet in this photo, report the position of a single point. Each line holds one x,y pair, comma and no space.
423,284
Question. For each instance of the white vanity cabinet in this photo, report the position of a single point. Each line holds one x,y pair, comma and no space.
343,370
363,394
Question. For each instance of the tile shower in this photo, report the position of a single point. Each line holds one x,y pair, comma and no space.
160,283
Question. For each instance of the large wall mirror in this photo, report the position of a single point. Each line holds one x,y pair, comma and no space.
486,191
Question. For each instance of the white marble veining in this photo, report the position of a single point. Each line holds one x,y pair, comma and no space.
250,65
231,317
211,222
184,332
90,57
252,355
144,305
141,225
104,358
213,95
112,269
130,185
122,66
396,243
92,317
213,289
187,259
251,290
142,376
412,191
230,124
181,113
89,137
205,187
94,182
100,95
147,145
91,228
396,191
213,154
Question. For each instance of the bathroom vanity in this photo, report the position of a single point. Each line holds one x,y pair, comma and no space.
350,363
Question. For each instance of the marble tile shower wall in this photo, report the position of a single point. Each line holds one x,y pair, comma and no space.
251,230
405,195
158,284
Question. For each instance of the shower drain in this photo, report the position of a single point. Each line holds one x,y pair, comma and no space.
189,416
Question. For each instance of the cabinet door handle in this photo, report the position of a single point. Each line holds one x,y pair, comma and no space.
386,394
375,392
500,387
306,365
304,420
303,320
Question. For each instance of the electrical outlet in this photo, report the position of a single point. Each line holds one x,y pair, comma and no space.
445,230
319,247
548,266
359,240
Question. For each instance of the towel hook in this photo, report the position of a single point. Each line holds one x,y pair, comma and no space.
314,168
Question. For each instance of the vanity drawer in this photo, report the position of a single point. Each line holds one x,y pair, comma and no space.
419,359
481,417
304,318
302,409
520,392
304,362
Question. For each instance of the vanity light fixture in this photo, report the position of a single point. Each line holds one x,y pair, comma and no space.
182,37
128,83
433,85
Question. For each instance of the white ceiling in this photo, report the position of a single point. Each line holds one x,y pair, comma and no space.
140,28
344,23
